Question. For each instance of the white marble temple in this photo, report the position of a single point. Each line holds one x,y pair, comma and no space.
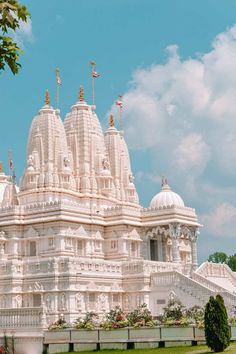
74,238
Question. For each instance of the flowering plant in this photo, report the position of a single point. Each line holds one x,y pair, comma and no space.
88,322
175,314
59,324
141,317
115,319
196,315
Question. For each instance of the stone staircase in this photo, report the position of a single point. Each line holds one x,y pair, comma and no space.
195,290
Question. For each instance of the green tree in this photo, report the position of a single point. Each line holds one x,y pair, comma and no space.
217,330
218,257
232,262
11,13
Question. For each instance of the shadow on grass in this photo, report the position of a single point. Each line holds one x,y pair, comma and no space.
230,350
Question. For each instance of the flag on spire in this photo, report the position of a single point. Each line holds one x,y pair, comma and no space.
119,102
95,74
11,164
58,77
10,161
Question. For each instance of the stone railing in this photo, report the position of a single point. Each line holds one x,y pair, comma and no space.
122,210
207,283
208,269
229,298
148,267
174,209
75,266
19,318
98,266
198,288
187,285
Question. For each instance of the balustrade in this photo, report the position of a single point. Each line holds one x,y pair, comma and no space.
198,287
21,318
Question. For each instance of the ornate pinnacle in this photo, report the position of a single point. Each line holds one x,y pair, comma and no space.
81,94
164,181
111,120
47,98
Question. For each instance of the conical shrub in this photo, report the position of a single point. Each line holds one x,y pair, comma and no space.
217,330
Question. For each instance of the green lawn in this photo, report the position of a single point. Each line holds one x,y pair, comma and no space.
200,349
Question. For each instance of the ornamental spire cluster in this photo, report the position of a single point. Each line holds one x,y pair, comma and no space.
75,156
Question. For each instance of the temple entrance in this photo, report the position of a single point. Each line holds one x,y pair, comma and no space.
36,300
154,250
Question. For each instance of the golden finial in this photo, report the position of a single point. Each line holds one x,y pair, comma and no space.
47,98
111,120
1,170
81,94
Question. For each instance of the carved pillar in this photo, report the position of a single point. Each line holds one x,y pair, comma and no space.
159,249
14,247
2,245
193,238
164,248
146,298
148,249
175,234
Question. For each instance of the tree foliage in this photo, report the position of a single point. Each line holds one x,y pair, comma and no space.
232,262
218,257
11,13
217,330
221,257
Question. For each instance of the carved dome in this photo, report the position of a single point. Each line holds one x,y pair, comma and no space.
166,198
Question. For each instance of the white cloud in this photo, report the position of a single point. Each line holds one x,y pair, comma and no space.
192,152
145,176
169,105
184,112
222,220
24,33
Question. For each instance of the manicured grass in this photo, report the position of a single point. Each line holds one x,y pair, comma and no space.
200,349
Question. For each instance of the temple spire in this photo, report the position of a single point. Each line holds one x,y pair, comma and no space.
47,98
81,94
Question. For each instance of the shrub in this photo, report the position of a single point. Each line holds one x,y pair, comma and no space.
115,318
140,317
88,322
174,310
59,324
217,330
196,316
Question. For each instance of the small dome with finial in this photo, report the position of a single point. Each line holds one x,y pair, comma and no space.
166,198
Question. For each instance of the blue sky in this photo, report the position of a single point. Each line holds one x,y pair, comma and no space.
178,77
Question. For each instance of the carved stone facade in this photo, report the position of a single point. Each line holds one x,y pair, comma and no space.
74,238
